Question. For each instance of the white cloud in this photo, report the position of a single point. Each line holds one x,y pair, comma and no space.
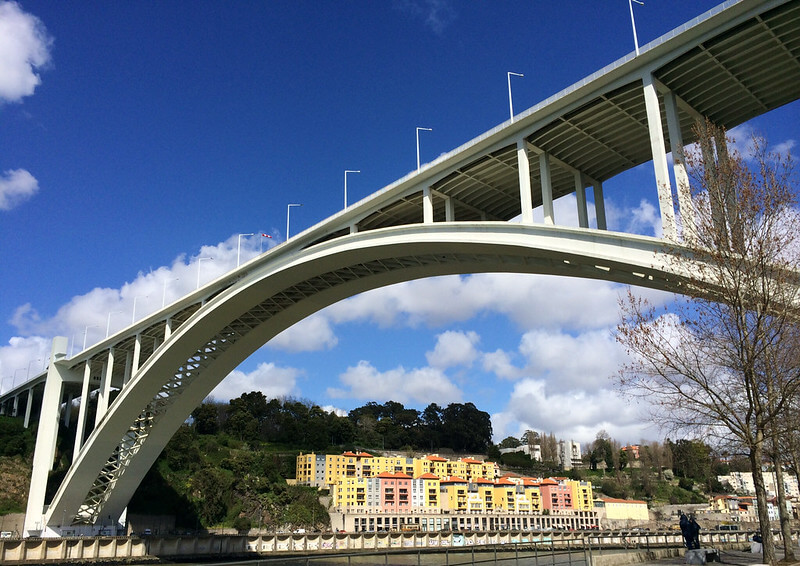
570,363
90,315
309,335
529,300
16,185
22,358
569,415
644,219
454,348
500,363
418,386
274,382
24,49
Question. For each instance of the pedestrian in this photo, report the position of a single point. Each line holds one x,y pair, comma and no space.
684,525
694,530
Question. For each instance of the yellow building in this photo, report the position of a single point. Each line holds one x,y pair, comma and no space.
324,470
582,496
454,493
429,486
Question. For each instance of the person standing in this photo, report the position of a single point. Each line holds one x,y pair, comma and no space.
694,531
685,532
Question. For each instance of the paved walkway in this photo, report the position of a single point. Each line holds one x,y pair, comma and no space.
732,557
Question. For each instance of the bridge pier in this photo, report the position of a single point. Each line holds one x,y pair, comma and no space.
44,454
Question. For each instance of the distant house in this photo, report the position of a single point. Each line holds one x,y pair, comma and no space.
618,512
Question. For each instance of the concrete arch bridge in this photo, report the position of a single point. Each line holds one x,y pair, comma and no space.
451,216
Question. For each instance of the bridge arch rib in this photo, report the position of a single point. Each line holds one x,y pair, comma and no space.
280,289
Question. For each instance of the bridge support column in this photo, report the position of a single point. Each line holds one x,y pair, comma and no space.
28,408
427,206
45,450
525,196
679,168
580,196
105,388
83,411
659,151
547,188
599,206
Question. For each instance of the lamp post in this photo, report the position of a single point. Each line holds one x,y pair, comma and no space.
164,290
288,208
418,129
345,184
86,333
28,375
633,23
133,315
510,103
199,261
14,381
108,322
239,248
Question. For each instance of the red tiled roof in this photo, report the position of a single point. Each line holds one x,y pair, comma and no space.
453,479
428,476
434,458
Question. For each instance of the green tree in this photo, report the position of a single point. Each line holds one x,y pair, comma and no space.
510,442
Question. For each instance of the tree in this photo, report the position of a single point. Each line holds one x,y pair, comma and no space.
510,442
720,361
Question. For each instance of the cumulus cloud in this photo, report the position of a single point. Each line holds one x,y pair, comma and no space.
454,348
89,317
417,386
16,186
580,362
22,358
309,335
24,49
568,414
500,364
273,381
529,300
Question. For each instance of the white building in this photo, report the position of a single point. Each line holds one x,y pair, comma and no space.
742,482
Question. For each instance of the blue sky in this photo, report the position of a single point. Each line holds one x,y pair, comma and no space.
137,137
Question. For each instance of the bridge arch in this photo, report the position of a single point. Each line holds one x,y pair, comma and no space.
283,287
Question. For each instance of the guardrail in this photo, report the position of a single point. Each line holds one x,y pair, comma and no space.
321,549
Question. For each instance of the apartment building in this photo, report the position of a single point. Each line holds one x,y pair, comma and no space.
324,471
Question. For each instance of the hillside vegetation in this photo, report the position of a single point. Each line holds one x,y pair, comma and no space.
228,465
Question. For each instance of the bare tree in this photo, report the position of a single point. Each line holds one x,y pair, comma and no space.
715,362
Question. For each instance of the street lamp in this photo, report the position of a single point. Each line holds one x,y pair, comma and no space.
14,381
108,322
288,208
510,103
28,375
418,129
133,316
239,248
345,184
199,261
86,332
164,290
633,23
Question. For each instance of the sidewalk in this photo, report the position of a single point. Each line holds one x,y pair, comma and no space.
732,557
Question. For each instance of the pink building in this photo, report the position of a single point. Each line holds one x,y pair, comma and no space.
556,495
395,492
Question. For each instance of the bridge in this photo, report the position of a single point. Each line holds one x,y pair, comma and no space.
469,211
